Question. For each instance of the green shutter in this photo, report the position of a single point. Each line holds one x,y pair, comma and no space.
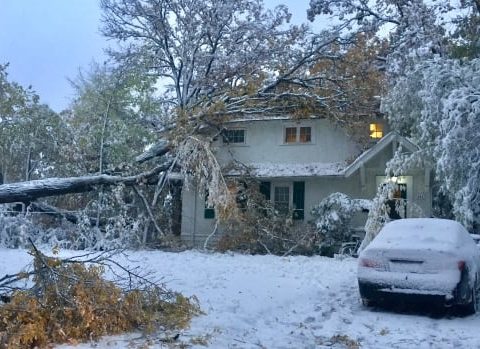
298,200
208,212
265,189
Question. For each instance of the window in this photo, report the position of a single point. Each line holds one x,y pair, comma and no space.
298,135
290,134
282,199
376,131
235,136
397,205
305,134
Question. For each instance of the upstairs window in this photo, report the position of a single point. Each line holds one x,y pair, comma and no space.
376,131
305,134
235,136
301,134
290,135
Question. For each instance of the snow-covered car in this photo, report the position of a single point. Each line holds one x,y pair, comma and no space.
476,238
421,259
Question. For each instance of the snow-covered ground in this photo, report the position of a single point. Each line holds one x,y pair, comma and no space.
273,302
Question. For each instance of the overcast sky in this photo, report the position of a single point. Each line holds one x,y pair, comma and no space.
47,42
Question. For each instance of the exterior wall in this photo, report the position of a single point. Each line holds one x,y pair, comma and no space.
265,143
195,228
419,193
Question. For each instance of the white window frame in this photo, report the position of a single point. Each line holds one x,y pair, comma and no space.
236,143
288,185
298,127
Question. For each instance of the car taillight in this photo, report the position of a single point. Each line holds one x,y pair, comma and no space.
461,265
369,263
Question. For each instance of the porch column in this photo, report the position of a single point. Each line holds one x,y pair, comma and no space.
362,178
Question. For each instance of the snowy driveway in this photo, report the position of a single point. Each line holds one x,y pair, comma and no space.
294,302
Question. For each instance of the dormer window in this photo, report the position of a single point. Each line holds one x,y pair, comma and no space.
234,136
300,134
376,131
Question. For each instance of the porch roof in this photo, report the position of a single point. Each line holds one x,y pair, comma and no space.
278,170
366,156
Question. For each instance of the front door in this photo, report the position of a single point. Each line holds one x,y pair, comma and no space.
397,206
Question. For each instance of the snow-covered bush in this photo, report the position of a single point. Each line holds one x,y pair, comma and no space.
333,216
378,214
17,229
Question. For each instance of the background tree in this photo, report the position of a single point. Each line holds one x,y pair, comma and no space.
430,98
111,116
108,117
32,136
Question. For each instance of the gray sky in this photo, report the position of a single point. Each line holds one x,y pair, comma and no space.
47,42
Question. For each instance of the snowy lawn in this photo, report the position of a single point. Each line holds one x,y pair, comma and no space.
274,302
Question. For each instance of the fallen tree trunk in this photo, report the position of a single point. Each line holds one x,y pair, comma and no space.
31,190
56,212
156,150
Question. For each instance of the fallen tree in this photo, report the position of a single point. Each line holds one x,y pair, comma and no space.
31,190
69,299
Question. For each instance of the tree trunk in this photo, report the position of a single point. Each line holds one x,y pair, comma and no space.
29,191
176,191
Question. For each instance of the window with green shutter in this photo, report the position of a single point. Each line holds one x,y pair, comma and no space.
265,189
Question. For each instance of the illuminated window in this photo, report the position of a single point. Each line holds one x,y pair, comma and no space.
376,131
298,134
290,134
305,134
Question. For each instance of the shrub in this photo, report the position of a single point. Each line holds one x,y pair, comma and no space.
259,229
334,214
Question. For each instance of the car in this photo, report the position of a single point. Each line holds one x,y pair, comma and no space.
418,260
476,238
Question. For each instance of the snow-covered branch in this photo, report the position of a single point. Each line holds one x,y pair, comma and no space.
31,190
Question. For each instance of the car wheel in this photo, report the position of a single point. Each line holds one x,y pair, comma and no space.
472,307
367,302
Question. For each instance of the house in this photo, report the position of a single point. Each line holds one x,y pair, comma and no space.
300,162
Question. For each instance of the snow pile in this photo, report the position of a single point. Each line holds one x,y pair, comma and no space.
273,302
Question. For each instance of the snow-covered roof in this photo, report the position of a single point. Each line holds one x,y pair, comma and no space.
272,170
377,148
272,117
